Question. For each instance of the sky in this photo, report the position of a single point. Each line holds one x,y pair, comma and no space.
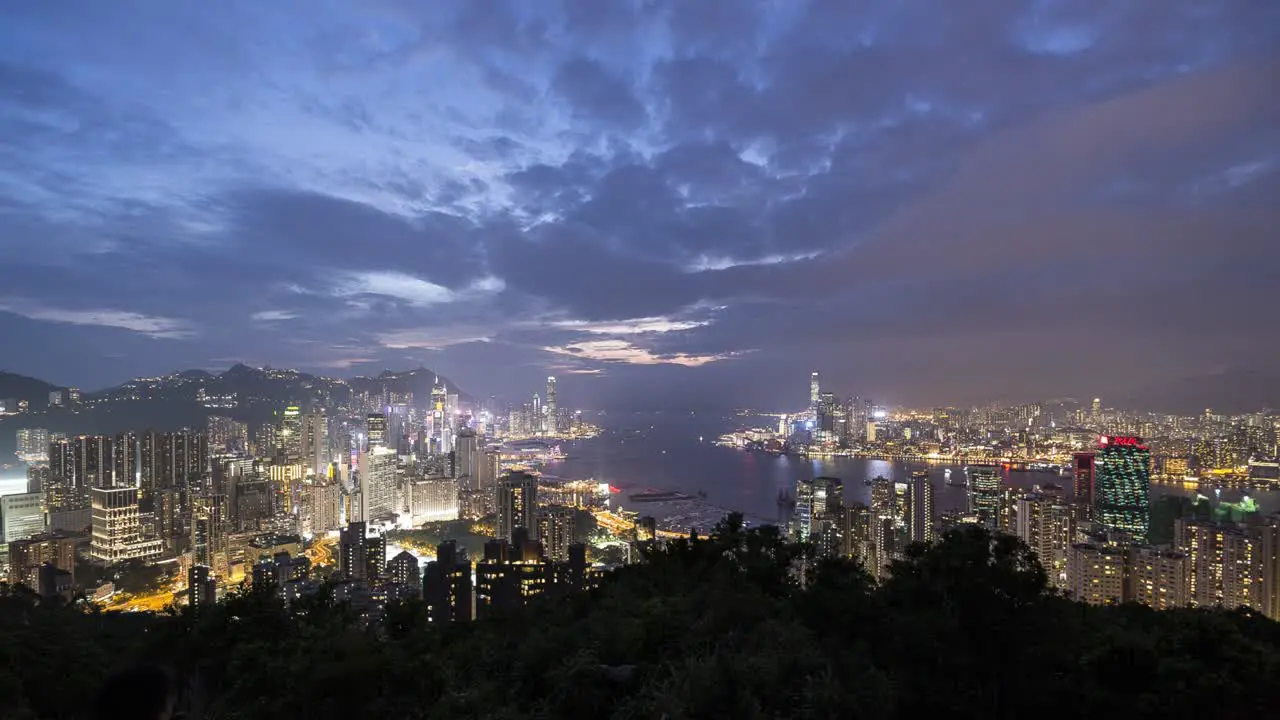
658,201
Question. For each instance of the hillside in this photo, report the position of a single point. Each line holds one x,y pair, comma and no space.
34,391
714,628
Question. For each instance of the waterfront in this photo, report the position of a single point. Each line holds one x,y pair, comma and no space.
662,451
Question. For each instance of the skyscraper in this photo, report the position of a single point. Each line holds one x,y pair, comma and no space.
819,504
517,504
446,585
202,589
920,518
984,495
315,442
404,570
126,465
1122,485
550,413
814,391
21,516
555,532
33,445
291,432
382,498
1045,524
117,527
375,428
1082,464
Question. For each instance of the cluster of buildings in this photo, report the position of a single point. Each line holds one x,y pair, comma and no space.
1103,540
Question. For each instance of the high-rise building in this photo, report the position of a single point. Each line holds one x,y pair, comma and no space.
380,483
1122,485
1157,577
117,527
351,551
226,435
446,585
21,516
320,508
1097,574
984,495
315,443
814,391
290,437
555,532
375,429
1225,564
1045,523
26,556
403,569
468,457
1082,464
209,532
33,445
202,588
433,500
921,516
517,504
551,410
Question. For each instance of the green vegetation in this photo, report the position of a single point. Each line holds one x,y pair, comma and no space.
739,625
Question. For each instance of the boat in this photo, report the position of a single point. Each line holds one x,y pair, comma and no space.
655,496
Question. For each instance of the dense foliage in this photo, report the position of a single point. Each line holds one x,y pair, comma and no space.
738,625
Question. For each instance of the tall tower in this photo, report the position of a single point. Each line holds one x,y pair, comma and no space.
315,442
984,495
921,514
291,432
813,393
517,504
375,427
439,398
550,422
1122,485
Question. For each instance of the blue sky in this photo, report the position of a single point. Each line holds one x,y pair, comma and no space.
652,199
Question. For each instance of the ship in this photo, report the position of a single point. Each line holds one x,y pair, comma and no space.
656,496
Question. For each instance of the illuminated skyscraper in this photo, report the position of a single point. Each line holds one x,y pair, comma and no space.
814,391
315,442
382,498
1044,523
555,532
1097,574
1122,485
291,432
517,504
375,428
1157,577
551,411
126,468
1083,469
21,516
117,527
984,495
439,412
921,515
1225,564
33,445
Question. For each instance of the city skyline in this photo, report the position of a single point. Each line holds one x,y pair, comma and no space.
663,199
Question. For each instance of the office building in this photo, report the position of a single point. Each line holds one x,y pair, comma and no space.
555,532
468,459
21,516
380,484
433,500
551,411
814,392
315,443
116,527
1097,574
290,438
921,517
375,429
1082,465
1122,485
202,588
985,495
517,504
446,585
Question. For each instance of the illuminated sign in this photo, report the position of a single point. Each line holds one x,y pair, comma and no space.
1125,440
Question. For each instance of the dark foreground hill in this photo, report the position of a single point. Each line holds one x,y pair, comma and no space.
718,628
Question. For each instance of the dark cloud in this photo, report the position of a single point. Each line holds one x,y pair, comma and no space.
927,200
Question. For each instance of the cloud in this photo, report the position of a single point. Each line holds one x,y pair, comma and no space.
632,326
150,325
621,351
273,315
410,289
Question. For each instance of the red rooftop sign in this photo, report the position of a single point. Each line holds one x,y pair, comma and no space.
1120,440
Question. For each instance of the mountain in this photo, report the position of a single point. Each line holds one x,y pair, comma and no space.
20,387
419,382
